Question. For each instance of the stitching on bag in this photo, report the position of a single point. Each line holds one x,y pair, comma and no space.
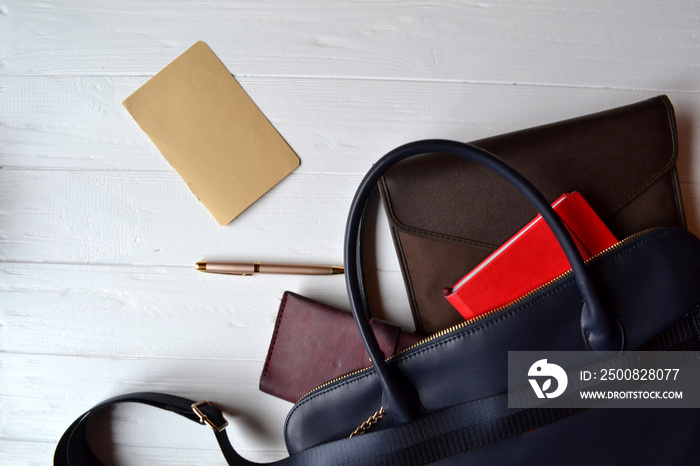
444,237
695,321
283,307
403,227
639,243
491,322
656,176
329,390
407,278
370,372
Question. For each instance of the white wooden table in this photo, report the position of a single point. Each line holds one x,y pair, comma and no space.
99,235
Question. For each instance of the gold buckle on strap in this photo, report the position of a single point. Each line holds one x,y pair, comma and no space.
204,419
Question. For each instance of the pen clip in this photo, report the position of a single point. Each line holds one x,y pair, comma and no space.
239,269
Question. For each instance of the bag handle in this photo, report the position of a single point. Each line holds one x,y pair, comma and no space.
600,328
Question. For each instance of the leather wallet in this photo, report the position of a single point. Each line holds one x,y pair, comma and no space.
447,214
314,343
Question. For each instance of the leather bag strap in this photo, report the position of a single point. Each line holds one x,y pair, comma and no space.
74,450
600,327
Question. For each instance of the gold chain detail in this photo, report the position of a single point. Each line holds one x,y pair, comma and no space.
367,425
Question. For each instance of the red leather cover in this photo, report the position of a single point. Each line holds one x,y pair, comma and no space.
314,343
530,259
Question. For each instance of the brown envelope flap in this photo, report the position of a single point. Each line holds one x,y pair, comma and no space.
611,157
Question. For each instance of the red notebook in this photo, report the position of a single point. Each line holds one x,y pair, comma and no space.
529,259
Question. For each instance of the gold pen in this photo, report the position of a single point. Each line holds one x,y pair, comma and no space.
252,268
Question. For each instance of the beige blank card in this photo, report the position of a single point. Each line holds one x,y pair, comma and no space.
211,132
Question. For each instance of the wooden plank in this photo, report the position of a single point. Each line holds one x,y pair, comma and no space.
30,453
592,44
335,125
161,312
27,452
157,227
149,216
127,217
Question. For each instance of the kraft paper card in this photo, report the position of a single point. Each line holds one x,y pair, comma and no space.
211,132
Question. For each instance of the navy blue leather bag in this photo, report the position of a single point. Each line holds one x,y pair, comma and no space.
443,401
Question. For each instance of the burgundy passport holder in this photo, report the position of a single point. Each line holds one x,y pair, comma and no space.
314,343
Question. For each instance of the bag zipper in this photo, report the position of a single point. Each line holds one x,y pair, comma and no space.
491,313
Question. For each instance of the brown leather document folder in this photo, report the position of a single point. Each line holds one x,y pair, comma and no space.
448,214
